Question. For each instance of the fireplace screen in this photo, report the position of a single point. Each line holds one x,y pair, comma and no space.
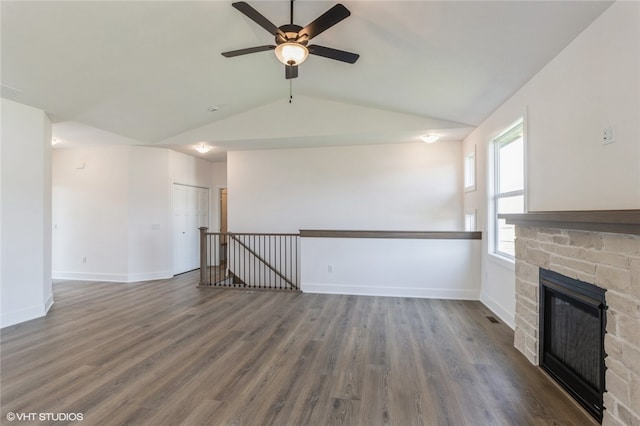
572,326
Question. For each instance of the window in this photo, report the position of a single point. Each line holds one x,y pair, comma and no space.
508,188
470,220
470,171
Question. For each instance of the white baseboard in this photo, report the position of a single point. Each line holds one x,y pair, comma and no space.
11,318
150,276
48,304
114,278
506,316
90,276
421,293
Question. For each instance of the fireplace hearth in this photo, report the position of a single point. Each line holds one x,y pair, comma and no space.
572,328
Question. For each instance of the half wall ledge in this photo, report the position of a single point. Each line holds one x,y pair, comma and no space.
398,235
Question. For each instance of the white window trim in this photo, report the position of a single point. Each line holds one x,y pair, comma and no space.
501,257
504,262
474,214
474,175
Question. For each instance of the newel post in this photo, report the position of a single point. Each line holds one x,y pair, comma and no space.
203,256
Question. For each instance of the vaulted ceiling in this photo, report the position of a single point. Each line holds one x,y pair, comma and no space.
149,72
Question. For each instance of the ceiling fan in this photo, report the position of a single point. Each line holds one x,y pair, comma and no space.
292,40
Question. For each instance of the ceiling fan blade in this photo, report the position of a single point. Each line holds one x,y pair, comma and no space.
257,17
338,55
246,51
325,21
290,71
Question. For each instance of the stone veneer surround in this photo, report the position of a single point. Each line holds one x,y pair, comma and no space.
610,261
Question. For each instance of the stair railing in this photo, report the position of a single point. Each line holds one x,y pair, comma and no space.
249,260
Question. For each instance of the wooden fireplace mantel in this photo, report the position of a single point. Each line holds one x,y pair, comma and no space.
615,221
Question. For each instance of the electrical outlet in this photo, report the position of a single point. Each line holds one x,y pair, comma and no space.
84,259
330,268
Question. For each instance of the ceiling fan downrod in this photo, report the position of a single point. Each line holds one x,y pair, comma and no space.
291,12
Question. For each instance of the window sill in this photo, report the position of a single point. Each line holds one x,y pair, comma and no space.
502,261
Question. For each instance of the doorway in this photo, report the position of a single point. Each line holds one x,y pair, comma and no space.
190,210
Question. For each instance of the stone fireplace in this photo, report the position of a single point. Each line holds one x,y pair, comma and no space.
601,248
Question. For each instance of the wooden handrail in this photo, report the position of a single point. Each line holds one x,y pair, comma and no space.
413,235
263,234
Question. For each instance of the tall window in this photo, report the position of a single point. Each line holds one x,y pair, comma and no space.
508,191
470,171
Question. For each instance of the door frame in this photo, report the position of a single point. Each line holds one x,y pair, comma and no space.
173,242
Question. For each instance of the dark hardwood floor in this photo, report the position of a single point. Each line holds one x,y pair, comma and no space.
167,353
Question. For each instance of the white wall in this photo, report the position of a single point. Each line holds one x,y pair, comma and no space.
219,181
594,83
90,214
25,287
443,269
112,205
149,230
379,187
375,187
189,170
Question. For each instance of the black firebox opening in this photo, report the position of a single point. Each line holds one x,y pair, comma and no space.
572,327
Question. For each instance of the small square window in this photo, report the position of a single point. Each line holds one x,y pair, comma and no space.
470,221
470,171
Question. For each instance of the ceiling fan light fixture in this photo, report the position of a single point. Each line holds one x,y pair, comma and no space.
202,148
290,53
430,138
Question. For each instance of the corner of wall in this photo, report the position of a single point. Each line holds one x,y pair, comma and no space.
503,313
26,216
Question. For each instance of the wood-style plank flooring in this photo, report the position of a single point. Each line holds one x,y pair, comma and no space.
167,353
